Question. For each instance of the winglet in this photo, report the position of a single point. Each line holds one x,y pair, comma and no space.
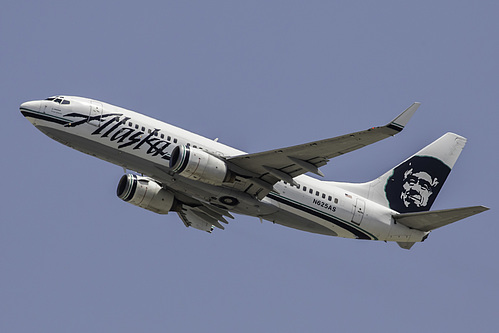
403,118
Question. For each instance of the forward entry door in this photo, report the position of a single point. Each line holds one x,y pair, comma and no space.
95,115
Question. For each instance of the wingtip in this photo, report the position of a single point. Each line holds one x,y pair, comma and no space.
402,119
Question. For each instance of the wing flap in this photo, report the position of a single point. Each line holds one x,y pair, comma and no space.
406,245
191,219
427,221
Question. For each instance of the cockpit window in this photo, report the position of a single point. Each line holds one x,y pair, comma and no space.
58,99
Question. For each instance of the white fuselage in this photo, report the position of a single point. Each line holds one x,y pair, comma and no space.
143,144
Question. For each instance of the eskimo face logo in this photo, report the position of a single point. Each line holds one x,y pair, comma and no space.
415,184
418,187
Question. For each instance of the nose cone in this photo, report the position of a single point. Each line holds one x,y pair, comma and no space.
30,106
31,110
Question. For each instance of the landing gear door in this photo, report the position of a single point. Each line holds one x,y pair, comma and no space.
95,115
358,211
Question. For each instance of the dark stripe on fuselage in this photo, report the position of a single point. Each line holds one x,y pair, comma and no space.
42,116
323,216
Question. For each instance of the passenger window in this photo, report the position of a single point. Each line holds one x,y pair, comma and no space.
143,129
335,200
330,198
162,136
311,191
304,188
136,126
174,140
169,138
323,196
298,186
130,124
317,193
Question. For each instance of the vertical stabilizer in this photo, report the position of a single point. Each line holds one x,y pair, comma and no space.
413,185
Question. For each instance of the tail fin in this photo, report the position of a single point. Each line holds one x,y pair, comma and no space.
413,185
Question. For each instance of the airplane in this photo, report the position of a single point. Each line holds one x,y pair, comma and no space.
205,181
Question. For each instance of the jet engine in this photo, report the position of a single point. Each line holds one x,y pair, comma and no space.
145,192
196,164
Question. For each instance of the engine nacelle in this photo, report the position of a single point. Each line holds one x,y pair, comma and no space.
196,164
146,193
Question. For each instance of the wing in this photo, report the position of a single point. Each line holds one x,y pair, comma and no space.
203,216
261,171
427,221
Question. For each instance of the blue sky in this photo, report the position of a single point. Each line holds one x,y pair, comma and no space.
258,75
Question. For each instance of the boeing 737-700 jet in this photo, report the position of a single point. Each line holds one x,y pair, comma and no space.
204,181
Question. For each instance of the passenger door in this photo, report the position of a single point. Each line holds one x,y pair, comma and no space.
95,115
358,211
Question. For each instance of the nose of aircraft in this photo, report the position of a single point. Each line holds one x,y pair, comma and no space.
30,106
30,110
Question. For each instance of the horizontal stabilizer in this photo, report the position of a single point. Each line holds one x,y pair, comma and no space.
427,221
